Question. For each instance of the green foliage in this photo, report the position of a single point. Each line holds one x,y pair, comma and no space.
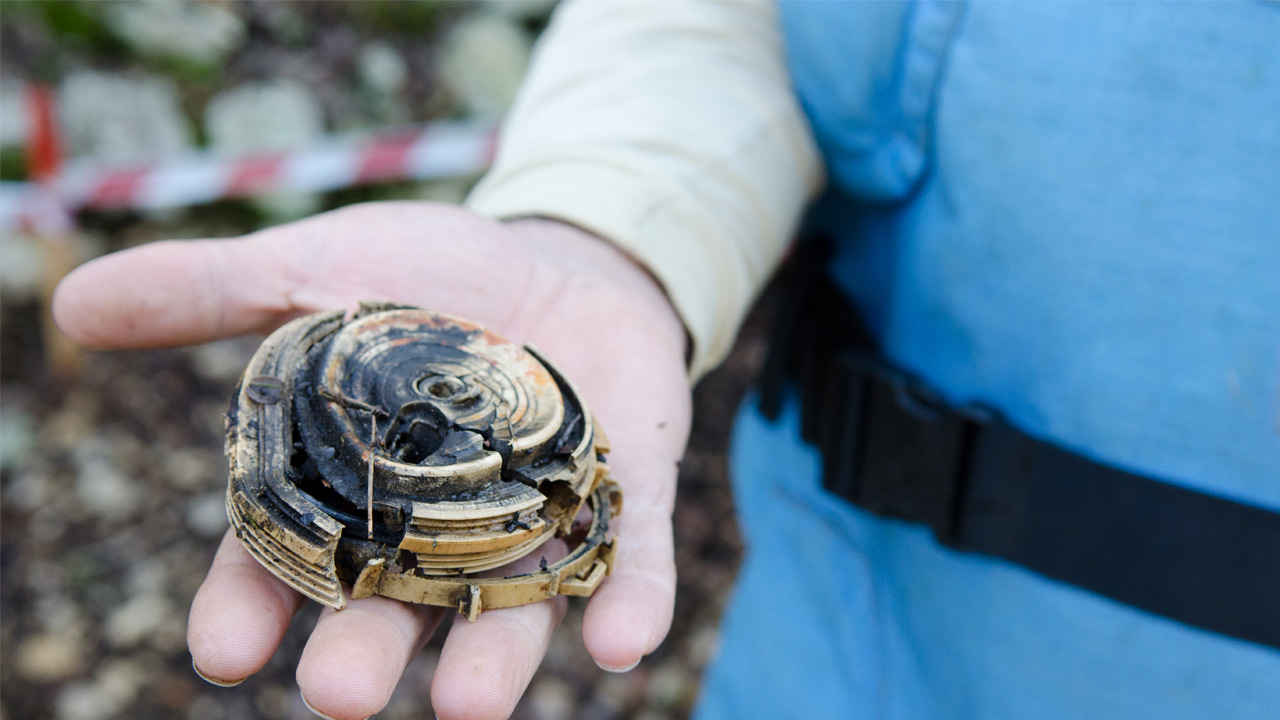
76,23
400,17
13,164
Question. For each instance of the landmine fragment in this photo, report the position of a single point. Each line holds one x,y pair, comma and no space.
403,452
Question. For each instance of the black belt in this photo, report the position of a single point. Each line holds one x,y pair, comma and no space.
892,447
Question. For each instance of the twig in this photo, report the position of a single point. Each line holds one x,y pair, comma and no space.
373,443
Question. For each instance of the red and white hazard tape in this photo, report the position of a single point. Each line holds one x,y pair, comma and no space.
434,151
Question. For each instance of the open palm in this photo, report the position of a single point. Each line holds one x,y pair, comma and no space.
592,311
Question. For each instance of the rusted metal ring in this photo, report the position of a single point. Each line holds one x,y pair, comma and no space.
402,451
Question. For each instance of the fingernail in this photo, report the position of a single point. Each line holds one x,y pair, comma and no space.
622,669
316,712
215,681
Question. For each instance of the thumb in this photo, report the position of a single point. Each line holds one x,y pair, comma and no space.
179,292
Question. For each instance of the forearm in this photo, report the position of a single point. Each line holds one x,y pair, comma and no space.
694,158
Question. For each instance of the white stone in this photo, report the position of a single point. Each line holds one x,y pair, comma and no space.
669,686
58,614
484,60
17,433
46,524
207,514
450,190
84,701
704,646
279,115
207,708
147,576
105,492
200,32
29,490
121,118
381,68
49,656
22,266
223,360
551,699
187,469
139,618
119,681
13,112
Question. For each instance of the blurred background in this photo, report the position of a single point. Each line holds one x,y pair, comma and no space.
127,122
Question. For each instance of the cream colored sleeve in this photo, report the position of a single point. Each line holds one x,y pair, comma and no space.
670,129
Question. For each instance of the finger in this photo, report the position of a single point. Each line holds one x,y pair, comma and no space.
238,616
355,657
179,292
486,665
630,613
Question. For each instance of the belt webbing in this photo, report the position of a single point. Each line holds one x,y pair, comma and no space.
892,447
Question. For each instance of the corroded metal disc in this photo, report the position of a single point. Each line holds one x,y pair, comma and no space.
401,451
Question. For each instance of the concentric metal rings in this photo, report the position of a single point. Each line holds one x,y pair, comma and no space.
402,451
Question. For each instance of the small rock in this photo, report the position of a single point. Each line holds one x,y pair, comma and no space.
13,114
484,60
383,74
381,68
119,680
17,431
67,429
171,637
206,707
137,619
279,115
550,699
46,577
50,656
703,646
21,273
29,490
452,190
147,577
122,118
207,514
272,700
58,614
670,686
188,469
202,33
105,492
222,360
619,691
84,701
46,524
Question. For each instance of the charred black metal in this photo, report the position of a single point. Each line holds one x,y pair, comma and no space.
480,451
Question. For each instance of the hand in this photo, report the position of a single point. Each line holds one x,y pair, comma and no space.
595,313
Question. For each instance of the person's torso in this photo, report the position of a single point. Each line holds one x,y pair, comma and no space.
1069,212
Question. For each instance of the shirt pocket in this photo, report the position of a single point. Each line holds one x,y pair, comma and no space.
866,75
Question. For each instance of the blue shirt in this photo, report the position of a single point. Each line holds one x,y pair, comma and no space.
1069,212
